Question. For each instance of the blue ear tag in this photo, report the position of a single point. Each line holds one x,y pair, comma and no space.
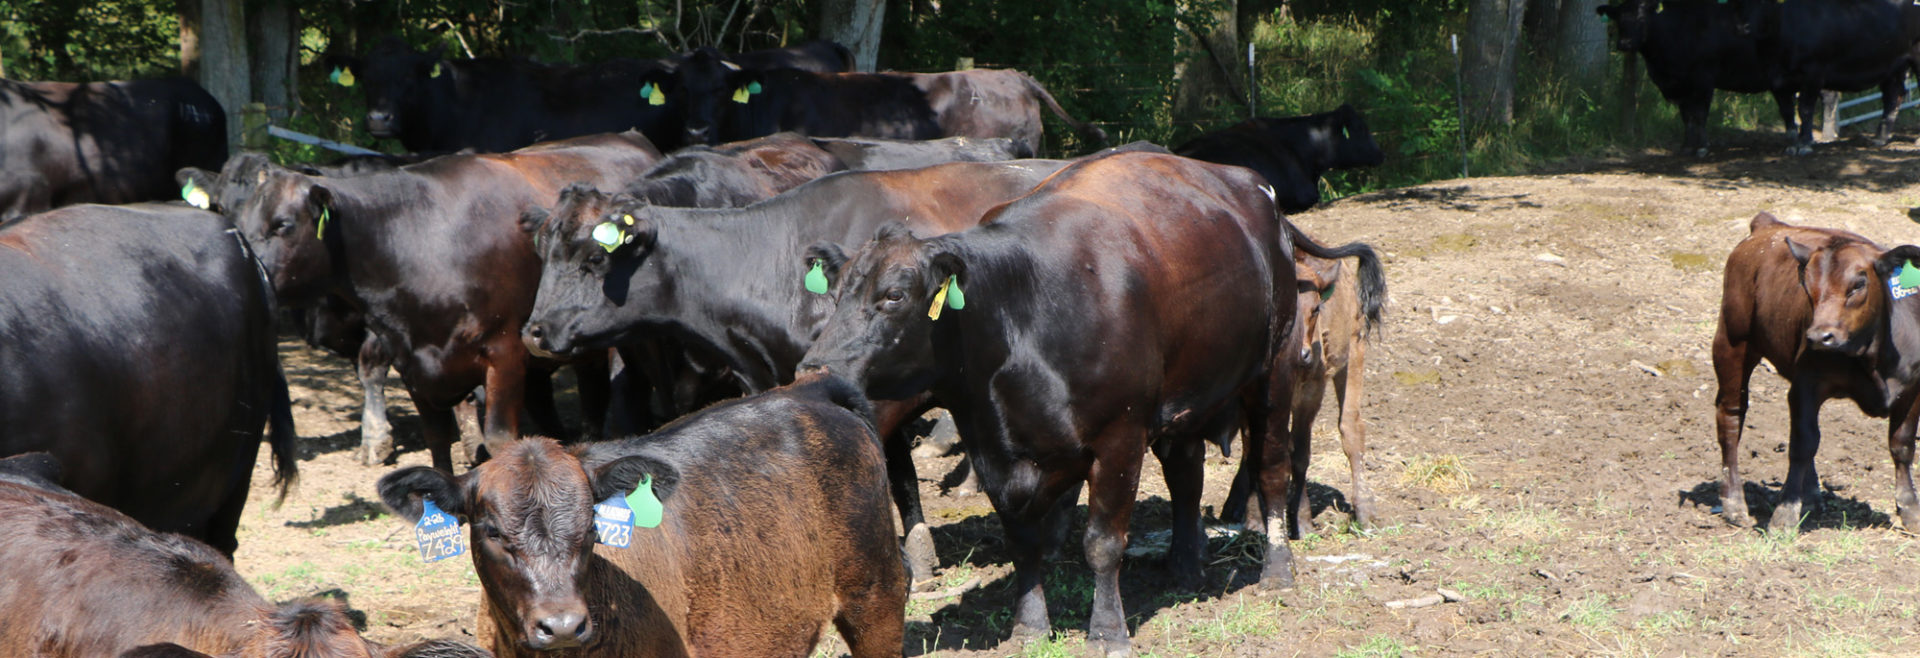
437,533
613,522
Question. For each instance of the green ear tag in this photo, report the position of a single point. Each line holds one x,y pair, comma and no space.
436,71
753,87
646,90
609,235
647,510
956,300
817,278
321,231
1909,276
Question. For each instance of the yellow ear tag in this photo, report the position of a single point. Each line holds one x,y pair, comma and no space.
740,95
939,300
658,97
436,71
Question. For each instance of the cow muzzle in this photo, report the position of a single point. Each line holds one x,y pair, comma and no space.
536,337
380,123
1830,339
567,628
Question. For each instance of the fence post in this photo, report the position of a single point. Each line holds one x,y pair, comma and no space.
1253,85
253,127
1459,95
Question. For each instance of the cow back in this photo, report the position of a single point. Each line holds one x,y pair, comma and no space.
105,142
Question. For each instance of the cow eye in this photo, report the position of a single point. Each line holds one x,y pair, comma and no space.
896,295
1858,285
596,259
282,227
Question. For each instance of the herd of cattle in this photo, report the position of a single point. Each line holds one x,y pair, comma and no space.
753,318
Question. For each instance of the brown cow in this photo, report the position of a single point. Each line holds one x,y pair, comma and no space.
1816,303
80,579
1331,334
775,523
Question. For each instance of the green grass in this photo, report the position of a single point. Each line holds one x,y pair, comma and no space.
1593,612
1378,646
1444,474
1241,620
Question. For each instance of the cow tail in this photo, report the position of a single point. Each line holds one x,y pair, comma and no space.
1373,281
1033,86
281,437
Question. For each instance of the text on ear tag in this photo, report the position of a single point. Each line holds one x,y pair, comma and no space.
613,522
437,533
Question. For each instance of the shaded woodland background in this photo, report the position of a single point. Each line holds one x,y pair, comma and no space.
1536,79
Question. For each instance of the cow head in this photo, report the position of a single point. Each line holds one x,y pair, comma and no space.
282,222
226,190
1845,280
1632,17
708,83
589,245
1354,145
1315,279
531,512
397,80
881,334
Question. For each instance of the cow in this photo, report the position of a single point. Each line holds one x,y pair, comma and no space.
730,103
137,345
1833,312
733,175
63,143
1292,153
774,523
866,154
1330,338
434,104
818,56
1842,45
1692,49
433,254
1090,327
84,580
722,283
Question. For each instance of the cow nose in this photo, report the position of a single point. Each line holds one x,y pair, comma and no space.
698,135
1823,337
535,337
565,630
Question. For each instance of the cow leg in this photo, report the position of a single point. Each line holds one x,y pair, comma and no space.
540,406
1182,463
1893,92
1306,405
1235,508
1803,408
1267,412
1015,497
1693,122
1783,100
1112,483
440,430
1809,102
1733,368
593,374
1347,384
506,388
1829,116
890,420
1900,445
376,433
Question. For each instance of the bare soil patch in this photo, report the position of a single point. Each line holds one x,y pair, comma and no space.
1538,408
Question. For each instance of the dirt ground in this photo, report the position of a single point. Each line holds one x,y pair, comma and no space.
1538,412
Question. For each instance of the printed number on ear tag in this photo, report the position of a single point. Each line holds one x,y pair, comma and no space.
613,522
437,533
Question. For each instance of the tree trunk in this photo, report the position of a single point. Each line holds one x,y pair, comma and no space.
213,51
856,25
1215,67
270,29
1580,49
1630,94
1492,45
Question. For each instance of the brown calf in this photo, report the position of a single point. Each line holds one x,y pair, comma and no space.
83,580
1331,337
1816,304
776,522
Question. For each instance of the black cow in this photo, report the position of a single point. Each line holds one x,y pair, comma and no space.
63,143
867,154
433,104
83,580
723,283
1842,45
1074,328
733,175
1691,49
433,254
1293,152
772,523
730,103
819,56
137,345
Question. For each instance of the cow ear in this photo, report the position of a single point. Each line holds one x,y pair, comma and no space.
620,476
402,491
319,207
946,262
37,467
829,257
162,650
1800,252
1895,258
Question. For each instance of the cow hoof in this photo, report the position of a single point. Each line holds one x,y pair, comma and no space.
1121,648
1786,518
1700,152
1800,149
1909,518
1739,519
920,556
1025,633
376,454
